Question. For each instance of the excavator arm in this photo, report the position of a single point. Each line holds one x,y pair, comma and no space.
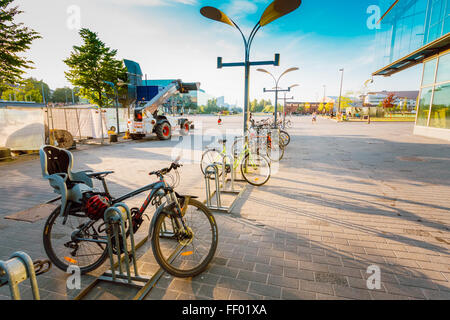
173,88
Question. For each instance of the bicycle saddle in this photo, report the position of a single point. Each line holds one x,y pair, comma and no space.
222,141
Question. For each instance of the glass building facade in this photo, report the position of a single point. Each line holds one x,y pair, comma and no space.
415,31
434,100
410,25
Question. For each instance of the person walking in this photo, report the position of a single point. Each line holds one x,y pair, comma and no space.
314,117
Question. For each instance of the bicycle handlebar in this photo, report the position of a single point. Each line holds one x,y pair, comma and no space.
173,166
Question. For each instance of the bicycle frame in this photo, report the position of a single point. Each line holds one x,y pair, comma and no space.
155,187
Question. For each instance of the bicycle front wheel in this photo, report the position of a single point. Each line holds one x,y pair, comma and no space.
185,253
255,169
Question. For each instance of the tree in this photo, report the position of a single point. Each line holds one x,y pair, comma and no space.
15,38
29,90
93,63
388,102
64,95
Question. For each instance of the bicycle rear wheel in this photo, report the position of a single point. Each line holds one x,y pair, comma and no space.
285,138
275,152
182,254
62,244
255,169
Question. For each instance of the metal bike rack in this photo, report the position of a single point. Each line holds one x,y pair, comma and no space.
17,269
115,218
212,172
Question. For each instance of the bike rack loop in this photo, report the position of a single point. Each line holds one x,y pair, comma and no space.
212,170
17,269
115,218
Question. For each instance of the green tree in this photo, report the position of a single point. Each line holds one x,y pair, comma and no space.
29,90
15,38
93,63
63,95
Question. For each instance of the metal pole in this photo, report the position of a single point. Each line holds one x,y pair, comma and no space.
43,94
73,98
276,106
117,110
340,93
246,91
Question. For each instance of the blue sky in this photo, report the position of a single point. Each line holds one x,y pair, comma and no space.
170,39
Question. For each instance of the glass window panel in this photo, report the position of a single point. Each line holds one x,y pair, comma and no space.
443,73
424,106
440,110
428,72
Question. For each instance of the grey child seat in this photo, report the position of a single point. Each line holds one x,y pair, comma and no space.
57,167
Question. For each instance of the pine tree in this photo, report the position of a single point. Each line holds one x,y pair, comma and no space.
15,38
93,63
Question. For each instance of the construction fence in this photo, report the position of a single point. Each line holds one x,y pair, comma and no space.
28,128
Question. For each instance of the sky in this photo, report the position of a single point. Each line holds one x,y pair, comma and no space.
170,39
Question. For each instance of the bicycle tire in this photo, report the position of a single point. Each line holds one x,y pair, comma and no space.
170,266
204,163
285,142
272,154
255,180
48,238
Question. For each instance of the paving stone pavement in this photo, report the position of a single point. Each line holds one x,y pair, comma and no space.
345,197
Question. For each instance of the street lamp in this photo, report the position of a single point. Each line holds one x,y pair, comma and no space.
275,10
366,83
277,89
340,92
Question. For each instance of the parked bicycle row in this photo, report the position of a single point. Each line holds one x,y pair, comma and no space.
76,232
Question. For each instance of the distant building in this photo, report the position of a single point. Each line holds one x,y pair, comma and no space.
400,97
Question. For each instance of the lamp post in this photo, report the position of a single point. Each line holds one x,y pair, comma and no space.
277,89
275,10
340,92
285,99
366,83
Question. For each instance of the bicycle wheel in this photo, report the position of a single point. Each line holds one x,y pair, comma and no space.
181,254
209,157
285,138
255,169
63,250
275,153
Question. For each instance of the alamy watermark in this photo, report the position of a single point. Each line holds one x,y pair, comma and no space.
375,16
73,282
73,21
374,280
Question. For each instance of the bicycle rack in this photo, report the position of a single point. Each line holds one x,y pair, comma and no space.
115,218
211,171
17,269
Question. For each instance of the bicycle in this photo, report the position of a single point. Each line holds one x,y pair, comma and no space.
284,136
255,168
71,237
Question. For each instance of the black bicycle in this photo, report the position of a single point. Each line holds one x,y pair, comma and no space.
181,224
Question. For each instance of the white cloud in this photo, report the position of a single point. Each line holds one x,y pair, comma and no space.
241,8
